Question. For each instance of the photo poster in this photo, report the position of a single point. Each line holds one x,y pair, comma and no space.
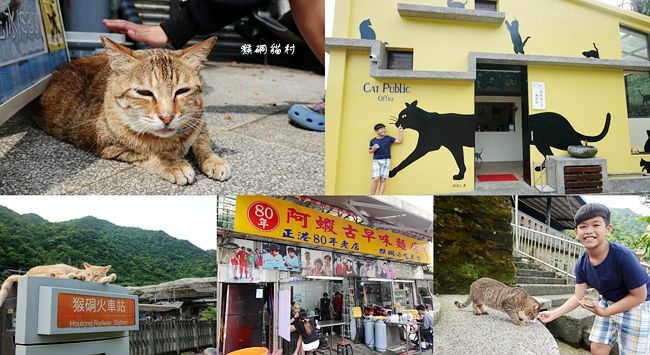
32,44
345,265
316,262
281,257
244,262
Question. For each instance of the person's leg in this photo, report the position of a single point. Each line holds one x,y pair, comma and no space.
634,330
374,185
382,186
603,333
298,347
309,16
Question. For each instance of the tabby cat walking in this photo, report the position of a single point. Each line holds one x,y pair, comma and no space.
143,107
495,294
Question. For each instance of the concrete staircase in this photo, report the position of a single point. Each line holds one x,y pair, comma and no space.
554,289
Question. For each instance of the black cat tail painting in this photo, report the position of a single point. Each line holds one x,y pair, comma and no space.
366,31
451,130
552,130
646,147
518,44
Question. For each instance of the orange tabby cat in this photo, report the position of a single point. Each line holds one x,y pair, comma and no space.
495,294
61,271
142,107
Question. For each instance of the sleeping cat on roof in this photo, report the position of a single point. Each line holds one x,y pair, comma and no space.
497,295
61,271
143,107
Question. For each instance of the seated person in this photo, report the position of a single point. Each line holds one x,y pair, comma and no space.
308,339
426,326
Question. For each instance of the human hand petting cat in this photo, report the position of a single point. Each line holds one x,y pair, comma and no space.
149,34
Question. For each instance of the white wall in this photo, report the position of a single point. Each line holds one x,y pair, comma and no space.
638,135
501,146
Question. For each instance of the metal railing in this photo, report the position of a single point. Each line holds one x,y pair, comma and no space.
558,253
172,336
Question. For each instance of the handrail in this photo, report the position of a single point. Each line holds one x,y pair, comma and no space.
558,253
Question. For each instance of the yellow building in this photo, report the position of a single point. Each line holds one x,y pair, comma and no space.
488,88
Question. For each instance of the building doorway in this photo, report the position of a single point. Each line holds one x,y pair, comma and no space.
501,113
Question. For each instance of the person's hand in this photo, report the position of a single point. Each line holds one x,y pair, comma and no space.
375,146
593,307
149,34
546,316
400,128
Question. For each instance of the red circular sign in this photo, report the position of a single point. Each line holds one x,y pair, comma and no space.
263,216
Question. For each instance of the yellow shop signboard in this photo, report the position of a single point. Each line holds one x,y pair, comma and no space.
285,221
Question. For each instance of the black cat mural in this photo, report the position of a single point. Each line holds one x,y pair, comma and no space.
366,31
458,4
451,130
645,166
550,129
646,147
518,45
592,53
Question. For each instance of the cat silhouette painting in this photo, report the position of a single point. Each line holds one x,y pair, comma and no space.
645,166
646,147
592,53
646,98
552,130
458,4
451,130
366,31
518,44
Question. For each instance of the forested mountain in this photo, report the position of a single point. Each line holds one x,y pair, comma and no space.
625,227
139,257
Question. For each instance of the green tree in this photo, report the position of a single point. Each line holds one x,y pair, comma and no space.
209,313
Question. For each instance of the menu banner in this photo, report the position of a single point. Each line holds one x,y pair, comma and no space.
286,221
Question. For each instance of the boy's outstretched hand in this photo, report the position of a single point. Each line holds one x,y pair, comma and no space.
151,35
546,316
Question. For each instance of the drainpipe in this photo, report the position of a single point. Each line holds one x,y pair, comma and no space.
548,211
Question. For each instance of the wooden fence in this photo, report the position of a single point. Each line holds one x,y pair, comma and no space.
172,336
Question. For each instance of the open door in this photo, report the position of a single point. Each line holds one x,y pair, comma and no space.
501,113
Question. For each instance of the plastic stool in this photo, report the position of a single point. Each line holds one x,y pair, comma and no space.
343,345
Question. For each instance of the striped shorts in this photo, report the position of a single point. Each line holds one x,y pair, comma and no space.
380,168
631,328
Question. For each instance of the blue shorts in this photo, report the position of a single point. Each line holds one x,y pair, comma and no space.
380,168
630,328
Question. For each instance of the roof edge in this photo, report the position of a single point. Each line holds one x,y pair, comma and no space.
629,15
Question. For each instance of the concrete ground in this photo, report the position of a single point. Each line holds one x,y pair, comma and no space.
246,110
460,332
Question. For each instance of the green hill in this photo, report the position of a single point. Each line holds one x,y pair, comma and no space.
138,256
626,229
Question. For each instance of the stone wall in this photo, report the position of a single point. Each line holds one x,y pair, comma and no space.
472,239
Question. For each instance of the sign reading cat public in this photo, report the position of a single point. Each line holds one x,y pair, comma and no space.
285,221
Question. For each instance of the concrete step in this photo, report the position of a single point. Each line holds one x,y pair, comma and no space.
554,301
537,273
540,280
570,327
523,265
542,290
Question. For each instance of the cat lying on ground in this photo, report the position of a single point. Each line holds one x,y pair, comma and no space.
495,294
62,271
143,107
